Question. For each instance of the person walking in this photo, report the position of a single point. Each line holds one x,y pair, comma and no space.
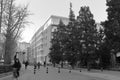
44,64
16,67
26,64
38,65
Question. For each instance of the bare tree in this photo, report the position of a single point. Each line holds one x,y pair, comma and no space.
14,20
2,9
1,12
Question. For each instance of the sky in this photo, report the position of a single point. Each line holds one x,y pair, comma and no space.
41,10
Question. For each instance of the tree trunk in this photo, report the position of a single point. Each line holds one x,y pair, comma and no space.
62,64
73,67
7,58
113,59
8,49
7,55
53,64
88,66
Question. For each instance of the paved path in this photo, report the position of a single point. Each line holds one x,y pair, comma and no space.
64,75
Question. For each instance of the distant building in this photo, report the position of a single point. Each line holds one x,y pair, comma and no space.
40,42
22,50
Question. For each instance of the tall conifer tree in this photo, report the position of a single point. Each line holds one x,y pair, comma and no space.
88,35
112,28
70,50
112,25
57,48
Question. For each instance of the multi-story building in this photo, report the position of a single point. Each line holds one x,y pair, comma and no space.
40,42
23,51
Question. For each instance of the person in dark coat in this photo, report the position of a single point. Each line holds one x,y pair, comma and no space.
17,65
26,64
38,65
44,64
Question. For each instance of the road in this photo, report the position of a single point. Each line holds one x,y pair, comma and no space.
63,75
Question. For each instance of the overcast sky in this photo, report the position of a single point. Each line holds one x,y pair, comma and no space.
43,9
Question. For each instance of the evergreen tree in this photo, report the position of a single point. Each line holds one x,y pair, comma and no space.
70,45
57,48
102,51
112,27
89,36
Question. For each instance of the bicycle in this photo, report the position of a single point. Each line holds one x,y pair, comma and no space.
15,74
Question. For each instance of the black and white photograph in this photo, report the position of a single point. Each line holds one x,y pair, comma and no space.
59,39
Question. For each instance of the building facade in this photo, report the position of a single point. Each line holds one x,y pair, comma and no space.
23,51
40,42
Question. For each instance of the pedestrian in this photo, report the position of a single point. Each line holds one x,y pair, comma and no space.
17,66
44,64
26,64
38,65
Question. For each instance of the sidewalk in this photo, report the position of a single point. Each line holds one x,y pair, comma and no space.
111,72
101,75
105,74
9,74
108,72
